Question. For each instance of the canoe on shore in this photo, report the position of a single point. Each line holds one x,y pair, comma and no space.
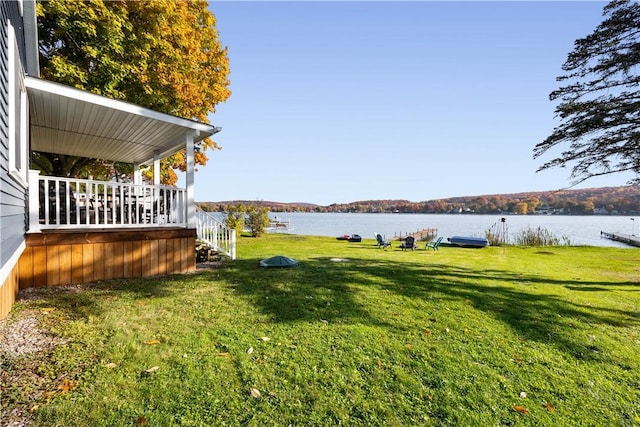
468,242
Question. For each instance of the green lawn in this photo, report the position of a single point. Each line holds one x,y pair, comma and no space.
469,337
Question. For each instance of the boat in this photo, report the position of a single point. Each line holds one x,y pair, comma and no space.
468,242
350,238
278,225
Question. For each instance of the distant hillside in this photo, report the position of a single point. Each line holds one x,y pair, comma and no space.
605,200
273,206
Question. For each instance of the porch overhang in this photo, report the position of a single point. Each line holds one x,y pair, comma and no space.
69,121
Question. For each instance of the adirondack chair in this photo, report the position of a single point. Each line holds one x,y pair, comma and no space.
434,244
382,243
409,243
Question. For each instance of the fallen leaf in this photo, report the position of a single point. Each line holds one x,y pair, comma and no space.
260,362
152,342
427,332
225,354
250,350
520,409
523,395
255,393
34,408
111,365
47,310
152,369
265,339
447,330
67,385
379,363
141,421
549,407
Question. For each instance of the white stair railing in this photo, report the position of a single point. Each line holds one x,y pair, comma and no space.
215,234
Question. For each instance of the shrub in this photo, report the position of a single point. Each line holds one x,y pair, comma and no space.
539,237
257,220
498,234
235,219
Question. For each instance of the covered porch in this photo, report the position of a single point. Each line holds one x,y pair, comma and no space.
130,228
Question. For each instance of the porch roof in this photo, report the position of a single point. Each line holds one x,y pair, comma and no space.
65,120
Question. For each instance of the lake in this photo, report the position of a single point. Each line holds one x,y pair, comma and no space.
580,230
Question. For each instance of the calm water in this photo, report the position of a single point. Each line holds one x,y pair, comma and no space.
580,230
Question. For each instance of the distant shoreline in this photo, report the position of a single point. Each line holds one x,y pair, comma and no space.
615,201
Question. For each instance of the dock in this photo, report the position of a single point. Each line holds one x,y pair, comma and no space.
628,239
420,235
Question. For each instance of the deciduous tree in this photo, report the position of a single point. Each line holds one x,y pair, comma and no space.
599,102
257,220
161,54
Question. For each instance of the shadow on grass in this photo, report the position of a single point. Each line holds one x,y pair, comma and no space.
86,300
321,288
353,292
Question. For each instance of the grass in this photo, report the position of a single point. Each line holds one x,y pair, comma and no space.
493,336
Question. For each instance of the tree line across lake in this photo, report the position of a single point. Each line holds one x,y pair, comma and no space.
623,200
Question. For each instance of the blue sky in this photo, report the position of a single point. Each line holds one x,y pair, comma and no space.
342,101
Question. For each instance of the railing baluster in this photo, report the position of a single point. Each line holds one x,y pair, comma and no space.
114,204
67,202
45,194
57,201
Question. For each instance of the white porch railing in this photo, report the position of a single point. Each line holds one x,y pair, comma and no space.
215,234
68,203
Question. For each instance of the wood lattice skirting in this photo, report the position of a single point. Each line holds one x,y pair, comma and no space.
63,258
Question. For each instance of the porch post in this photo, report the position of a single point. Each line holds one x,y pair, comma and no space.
156,168
190,178
34,201
137,174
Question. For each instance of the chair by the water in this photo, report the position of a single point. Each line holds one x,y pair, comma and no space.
382,243
409,243
434,244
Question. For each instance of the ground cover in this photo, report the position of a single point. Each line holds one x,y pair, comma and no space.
354,335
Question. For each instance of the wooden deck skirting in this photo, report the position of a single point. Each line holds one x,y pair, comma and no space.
8,292
74,257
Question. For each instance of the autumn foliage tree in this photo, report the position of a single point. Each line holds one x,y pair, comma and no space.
162,54
599,103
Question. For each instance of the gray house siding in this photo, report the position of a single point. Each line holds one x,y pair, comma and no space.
13,194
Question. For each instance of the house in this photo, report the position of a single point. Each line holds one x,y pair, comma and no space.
58,231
